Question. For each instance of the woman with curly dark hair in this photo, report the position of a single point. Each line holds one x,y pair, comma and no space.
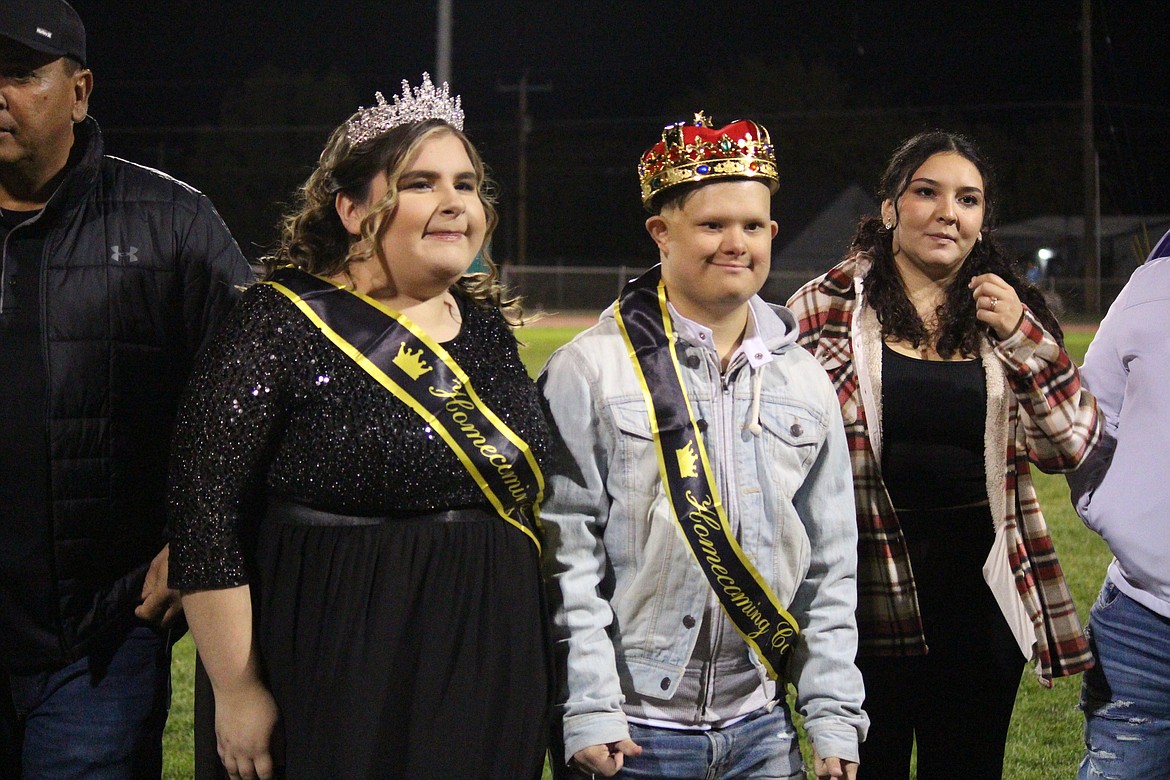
356,480
953,382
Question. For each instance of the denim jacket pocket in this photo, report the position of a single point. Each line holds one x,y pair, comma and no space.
636,463
791,435
791,438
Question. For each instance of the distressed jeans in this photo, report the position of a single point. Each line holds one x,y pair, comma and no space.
762,746
1126,696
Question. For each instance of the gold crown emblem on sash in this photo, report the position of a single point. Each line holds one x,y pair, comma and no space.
411,362
688,461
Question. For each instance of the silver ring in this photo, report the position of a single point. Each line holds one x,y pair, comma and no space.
994,302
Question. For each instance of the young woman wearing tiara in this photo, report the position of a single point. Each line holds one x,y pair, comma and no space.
356,479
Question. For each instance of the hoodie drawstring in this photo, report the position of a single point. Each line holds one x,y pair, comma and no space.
754,417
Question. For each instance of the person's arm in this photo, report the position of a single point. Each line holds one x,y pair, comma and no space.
573,516
1105,375
829,689
215,274
234,408
235,405
245,712
1058,416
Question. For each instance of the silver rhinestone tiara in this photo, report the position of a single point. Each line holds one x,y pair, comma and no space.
413,105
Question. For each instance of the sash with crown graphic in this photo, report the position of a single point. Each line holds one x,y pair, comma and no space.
420,373
753,608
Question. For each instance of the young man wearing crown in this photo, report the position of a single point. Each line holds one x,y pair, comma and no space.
699,532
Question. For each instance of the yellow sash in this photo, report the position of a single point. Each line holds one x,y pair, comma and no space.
753,608
419,372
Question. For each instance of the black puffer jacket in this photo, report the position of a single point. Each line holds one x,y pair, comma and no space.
137,270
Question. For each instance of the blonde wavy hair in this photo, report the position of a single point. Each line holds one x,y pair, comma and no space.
313,238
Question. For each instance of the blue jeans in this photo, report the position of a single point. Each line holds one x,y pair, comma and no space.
763,746
1126,696
99,718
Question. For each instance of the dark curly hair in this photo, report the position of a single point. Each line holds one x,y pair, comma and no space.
314,239
958,331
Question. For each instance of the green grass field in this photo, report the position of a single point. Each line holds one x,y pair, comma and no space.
1045,737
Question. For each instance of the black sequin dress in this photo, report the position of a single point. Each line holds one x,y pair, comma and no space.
400,650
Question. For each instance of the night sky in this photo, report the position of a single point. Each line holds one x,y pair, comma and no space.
617,71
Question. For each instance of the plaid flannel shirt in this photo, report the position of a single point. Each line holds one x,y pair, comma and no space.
1050,422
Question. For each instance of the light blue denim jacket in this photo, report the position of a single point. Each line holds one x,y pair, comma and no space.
626,592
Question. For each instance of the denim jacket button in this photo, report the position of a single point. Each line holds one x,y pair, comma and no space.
665,684
689,621
692,361
796,430
701,424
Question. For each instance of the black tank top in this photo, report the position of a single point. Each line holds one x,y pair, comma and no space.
933,415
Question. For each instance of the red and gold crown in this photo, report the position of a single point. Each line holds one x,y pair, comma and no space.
698,152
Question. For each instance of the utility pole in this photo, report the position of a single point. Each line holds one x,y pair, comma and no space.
1091,238
443,42
523,128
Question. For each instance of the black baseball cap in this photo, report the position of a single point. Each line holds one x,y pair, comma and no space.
47,26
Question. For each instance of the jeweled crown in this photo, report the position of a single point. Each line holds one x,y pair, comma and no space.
698,151
413,105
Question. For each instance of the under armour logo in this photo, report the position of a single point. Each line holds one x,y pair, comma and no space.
118,256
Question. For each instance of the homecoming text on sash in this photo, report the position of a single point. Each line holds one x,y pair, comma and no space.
751,605
421,374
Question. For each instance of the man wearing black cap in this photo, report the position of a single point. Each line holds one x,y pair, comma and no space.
111,277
